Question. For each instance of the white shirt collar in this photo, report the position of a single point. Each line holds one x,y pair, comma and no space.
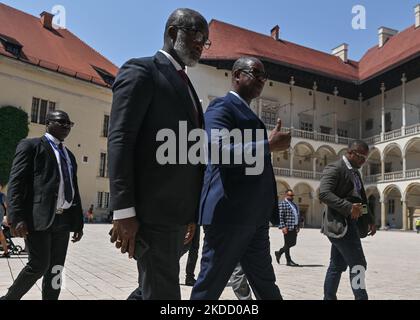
172,60
53,139
239,97
347,162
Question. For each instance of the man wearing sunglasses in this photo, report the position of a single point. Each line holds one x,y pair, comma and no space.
235,207
157,201
44,206
346,219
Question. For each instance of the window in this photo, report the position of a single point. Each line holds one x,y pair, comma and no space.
105,126
43,112
102,165
103,200
85,159
40,109
269,117
306,126
34,110
369,124
391,206
11,45
342,133
325,130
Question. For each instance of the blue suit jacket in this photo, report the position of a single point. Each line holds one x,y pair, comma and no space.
229,196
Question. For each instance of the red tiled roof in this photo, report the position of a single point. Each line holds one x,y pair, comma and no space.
397,49
57,50
231,42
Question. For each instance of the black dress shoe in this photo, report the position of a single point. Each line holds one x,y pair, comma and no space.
190,282
292,264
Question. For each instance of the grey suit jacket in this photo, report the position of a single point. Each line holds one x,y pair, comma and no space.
336,190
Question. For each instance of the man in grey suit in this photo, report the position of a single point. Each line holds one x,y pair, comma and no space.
345,220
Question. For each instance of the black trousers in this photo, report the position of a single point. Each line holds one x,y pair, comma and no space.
159,266
47,254
289,242
192,249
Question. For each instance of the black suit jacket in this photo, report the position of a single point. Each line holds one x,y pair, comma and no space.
149,95
33,187
337,191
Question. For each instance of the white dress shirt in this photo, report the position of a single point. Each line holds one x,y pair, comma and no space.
61,202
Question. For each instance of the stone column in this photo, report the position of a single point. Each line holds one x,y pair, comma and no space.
335,114
383,111
383,214
404,159
291,156
315,124
382,169
292,83
404,215
314,167
404,103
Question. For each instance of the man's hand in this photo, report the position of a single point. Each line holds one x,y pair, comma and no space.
77,236
285,230
372,230
124,233
279,141
21,230
190,233
356,211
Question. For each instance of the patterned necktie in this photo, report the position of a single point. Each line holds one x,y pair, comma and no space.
357,182
68,193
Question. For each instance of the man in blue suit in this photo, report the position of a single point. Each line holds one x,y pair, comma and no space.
236,206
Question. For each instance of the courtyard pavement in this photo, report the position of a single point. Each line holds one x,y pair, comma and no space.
96,270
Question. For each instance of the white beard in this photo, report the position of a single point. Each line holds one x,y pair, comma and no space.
181,50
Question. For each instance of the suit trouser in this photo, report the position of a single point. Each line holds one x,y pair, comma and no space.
159,266
226,246
240,285
346,252
47,254
289,242
192,249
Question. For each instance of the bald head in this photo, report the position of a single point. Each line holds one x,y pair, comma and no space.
185,17
55,115
245,63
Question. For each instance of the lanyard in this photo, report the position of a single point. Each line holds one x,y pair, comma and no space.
63,156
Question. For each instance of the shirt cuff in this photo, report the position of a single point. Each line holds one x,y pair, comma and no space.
124,213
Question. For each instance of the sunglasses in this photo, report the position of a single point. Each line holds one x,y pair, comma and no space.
256,74
63,123
359,155
197,36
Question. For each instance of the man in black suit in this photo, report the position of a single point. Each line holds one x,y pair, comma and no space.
157,201
346,219
44,206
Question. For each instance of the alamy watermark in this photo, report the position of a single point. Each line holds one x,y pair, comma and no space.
230,148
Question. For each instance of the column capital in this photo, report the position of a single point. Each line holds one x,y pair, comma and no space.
383,88
315,86
404,78
292,81
360,97
336,92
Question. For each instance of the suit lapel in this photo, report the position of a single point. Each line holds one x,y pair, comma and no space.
242,107
170,73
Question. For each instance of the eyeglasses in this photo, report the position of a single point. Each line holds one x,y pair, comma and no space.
198,36
63,123
256,74
359,155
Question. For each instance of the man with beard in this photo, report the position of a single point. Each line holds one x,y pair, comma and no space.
235,206
44,206
155,206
